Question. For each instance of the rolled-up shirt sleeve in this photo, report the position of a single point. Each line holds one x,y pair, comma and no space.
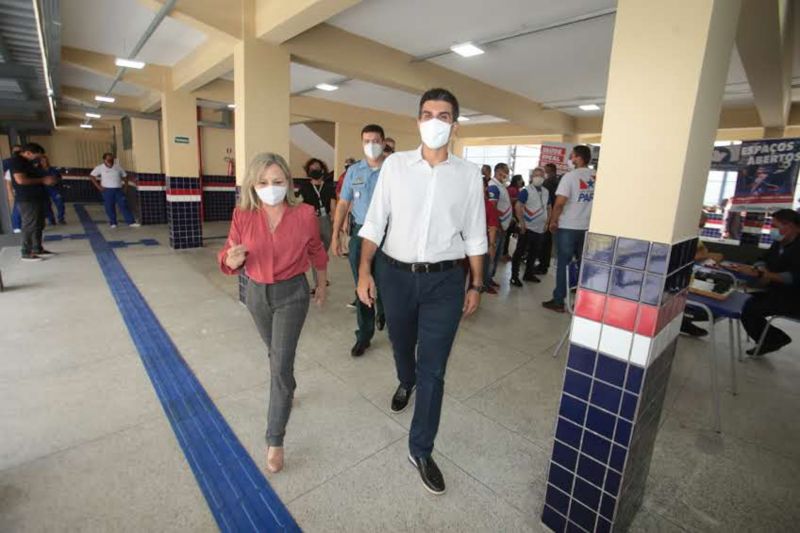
374,227
234,237
474,232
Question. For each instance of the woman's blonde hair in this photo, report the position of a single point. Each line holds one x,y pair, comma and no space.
248,198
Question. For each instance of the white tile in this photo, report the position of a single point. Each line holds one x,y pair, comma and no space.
585,332
616,342
640,351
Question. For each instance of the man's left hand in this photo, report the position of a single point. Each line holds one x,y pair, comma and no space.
471,302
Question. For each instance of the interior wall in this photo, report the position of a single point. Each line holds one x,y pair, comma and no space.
298,158
215,143
74,147
5,149
146,146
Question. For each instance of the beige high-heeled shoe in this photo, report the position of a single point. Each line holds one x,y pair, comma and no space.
274,459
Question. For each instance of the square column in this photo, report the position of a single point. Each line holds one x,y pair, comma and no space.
182,169
638,257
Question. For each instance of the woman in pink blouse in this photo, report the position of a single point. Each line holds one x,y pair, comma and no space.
275,238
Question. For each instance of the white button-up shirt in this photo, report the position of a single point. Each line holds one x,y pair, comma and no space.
428,214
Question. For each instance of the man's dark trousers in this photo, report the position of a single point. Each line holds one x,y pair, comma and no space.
32,213
365,315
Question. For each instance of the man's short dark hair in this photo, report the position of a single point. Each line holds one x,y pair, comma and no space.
787,216
500,166
16,147
108,154
441,95
552,167
34,148
584,152
373,128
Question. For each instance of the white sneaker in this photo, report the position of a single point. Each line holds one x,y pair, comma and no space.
31,258
135,225
17,230
113,226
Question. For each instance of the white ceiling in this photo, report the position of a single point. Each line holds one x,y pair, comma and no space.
115,26
73,76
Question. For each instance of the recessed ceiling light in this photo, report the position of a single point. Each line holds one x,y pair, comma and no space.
130,63
326,87
87,126
109,99
466,50
93,115
231,106
462,118
589,107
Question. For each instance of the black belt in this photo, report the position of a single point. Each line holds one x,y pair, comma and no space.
424,268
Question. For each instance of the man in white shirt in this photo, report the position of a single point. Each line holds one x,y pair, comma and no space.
111,180
570,219
429,206
498,193
532,211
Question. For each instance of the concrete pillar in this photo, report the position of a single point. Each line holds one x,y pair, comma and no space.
774,132
150,182
347,143
182,169
638,255
261,94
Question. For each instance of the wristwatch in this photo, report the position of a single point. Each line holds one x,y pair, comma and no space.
479,290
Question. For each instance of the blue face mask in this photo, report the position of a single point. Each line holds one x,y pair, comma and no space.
775,234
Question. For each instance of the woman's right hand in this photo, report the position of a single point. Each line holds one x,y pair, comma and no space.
236,256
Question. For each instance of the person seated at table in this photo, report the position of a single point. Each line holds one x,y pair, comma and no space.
690,315
778,272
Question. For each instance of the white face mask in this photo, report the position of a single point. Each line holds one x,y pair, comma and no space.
570,165
373,150
272,194
435,133
537,181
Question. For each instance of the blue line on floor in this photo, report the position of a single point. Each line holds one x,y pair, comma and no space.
237,493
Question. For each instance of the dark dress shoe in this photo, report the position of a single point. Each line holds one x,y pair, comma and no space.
432,478
400,399
553,306
692,330
516,282
359,348
767,348
380,322
531,278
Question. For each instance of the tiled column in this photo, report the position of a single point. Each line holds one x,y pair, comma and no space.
183,212
637,261
151,190
219,197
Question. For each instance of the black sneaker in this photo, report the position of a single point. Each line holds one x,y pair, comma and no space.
432,478
400,399
380,322
692,330
553,306
531,278
31,258
516,282
359,348
45,253
353,304
767,348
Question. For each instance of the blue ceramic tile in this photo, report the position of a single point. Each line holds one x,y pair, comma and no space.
572,409
652,289
617,461
572,527
623,434
610,370
582,516
675,259
601,422
607,507
595,276
599,248
591,470
569,433
557,499
628,409
603,526
553,520
657,263
581,359
612,482
606,397
595,446
626,284
565,456
635,377
586,494
560,478
577,384
631,253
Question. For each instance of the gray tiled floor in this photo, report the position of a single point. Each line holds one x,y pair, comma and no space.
85,445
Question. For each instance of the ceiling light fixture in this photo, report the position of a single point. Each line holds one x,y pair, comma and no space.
45,64
326,87
87,126
463,118
93,115
466,50
231,106
130,63
589,107
107,99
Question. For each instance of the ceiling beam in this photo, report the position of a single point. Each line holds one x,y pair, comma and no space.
277,21
208,16
86,97
150,77
336,50
765,41
107,111
12,71
207,62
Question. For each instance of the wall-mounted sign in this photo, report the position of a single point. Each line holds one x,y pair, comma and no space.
181,140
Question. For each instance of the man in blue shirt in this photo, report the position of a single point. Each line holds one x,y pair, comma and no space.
359,184
16,218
